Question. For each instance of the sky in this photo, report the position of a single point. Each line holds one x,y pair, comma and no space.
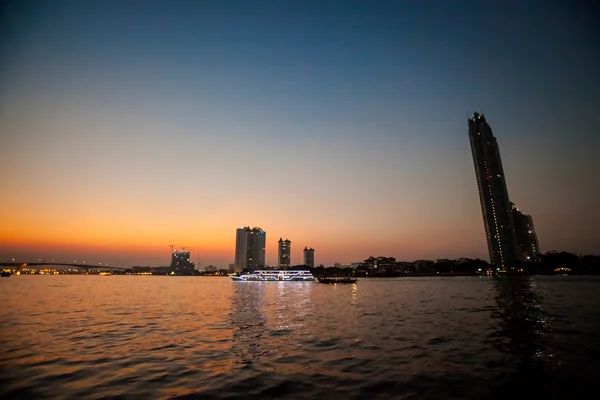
129,126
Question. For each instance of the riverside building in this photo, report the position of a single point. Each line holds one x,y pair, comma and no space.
493,194
180,262
527,241
284,253
249,248
309,257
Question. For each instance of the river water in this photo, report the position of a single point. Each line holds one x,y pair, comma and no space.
147,337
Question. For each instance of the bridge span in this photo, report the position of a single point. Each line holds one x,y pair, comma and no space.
19,265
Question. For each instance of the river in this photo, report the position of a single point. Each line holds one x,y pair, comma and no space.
148,337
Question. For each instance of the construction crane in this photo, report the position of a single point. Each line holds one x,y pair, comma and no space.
173,245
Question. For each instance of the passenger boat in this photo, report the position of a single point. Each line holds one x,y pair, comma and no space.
274,276
5,274
336,279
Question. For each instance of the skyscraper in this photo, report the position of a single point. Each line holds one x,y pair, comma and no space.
284,253
493,195
250,248
527,241
309,257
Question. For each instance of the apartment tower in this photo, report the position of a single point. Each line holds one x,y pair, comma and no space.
284,253
249,248
493,195
309,257
527,241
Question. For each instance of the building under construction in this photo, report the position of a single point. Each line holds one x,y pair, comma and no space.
181,264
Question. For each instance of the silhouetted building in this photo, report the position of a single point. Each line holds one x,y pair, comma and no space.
180,262
309,257
210,269
379,262
250,248
527,241
493,195
423,265
232,267
284,253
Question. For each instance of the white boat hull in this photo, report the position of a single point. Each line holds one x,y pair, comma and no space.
274,276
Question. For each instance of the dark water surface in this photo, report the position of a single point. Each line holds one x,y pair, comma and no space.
146,337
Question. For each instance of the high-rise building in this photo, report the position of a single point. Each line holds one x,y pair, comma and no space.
493,195
309,257
180,262
284,253
527,241
250,248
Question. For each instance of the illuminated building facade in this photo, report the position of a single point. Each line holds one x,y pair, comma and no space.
493,195
181,264
250,247
309,257
284,253
527,241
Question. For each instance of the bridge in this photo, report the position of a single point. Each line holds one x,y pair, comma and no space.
19,265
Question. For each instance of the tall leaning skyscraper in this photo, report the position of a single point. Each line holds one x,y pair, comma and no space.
493,195
250,248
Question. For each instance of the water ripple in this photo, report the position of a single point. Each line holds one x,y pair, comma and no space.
202,338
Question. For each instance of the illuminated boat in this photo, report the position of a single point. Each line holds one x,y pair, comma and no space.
274,276
104,273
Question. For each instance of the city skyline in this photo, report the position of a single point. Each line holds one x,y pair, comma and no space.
339,125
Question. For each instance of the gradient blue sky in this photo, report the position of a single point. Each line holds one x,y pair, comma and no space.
126,126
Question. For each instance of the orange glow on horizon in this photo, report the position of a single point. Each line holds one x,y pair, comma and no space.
136,229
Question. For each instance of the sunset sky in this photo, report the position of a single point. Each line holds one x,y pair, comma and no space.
127,126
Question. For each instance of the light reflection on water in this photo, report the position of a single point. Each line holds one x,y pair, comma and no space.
520,335
189,337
